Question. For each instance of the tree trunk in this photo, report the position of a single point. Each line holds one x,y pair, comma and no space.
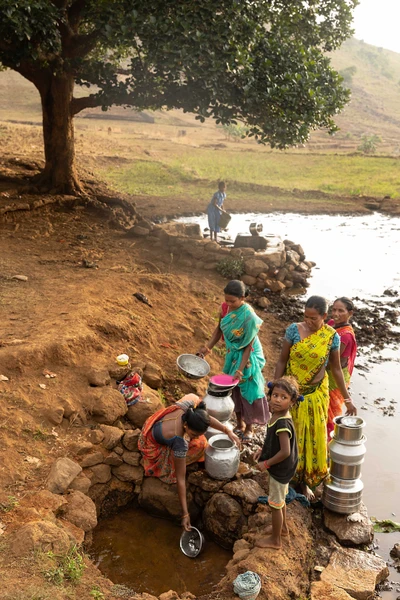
59,174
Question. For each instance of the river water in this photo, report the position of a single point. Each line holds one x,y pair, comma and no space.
356,256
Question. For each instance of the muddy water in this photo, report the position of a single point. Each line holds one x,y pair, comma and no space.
357,256
142,552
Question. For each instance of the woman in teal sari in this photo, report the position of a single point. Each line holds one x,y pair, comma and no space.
239,326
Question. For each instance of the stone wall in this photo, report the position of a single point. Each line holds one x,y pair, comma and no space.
281,266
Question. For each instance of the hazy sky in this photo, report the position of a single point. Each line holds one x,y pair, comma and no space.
377,22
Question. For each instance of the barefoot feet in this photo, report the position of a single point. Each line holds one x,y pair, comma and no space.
308,493
268,542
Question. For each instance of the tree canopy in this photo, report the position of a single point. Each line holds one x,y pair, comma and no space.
262,62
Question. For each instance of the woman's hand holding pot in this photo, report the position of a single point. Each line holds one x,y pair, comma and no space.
232,436
203,351
350,408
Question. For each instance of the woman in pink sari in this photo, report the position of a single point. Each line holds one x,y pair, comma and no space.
342,311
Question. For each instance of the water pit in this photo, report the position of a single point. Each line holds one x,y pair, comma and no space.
142,552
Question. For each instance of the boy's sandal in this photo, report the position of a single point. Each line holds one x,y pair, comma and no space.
246,439
238,432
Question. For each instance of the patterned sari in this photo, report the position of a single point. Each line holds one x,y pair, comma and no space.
336,399
158,459
306,359
240,328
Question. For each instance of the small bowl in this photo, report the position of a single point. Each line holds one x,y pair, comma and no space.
192,542
223,381
192,366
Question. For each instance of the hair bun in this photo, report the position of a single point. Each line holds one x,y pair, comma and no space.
270,384
201,406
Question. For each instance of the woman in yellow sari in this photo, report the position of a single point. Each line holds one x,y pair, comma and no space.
307,349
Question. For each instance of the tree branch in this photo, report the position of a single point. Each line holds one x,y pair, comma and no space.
79,46
79,104
75,12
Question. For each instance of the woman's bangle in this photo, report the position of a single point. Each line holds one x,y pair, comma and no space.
347,400
239,371
184,516
266,465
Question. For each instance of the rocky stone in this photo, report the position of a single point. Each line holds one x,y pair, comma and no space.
113,459
202,480
118,450
80,483
282,274
246,490
237,253
292,258
302,268
149,404
288,283
224,519
96,436
355,572
139,231
54,415
152,375
117,372
132,458
75,534
92,459
240,555
71,409
127,472
274,286
350,532
263,302
249,280
160,498
46,500
130,440
81,448
98,378
39,535
320,590
299,249
106,405
211,247
395,551
112,436
111,496
273,257
80,510
170,595
248,252
63,471
98,474
254,266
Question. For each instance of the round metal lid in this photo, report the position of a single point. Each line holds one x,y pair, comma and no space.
192,542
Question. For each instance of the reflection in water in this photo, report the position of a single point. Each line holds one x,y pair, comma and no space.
142,552
356,256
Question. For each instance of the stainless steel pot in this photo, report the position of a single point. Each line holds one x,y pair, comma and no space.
211,431
348,429
255,228
348,454
342,496
221,457
219,392
221,408
344,471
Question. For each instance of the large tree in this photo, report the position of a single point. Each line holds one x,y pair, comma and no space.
262,62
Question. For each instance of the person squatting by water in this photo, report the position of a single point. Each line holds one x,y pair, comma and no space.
173,438
308,349
342,310
214,210
279,455
238,326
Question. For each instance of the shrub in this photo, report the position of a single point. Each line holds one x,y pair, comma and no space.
231,268
369,143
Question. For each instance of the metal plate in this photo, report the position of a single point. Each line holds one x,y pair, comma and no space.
191,542
193,366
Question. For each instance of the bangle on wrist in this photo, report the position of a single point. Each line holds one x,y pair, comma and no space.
347,400
184,516
266,465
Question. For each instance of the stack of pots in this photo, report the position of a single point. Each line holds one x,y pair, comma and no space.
220,405
343,490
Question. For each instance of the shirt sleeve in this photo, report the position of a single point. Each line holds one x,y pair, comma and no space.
292,334
347,340
283,426
335,342
179,447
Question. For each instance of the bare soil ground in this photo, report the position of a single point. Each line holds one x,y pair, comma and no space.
68,318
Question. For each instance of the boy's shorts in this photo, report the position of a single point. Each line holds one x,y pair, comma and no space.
277,493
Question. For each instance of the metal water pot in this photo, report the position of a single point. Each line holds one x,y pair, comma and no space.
345,455
211,431
342,496
222,457
219,407
348,429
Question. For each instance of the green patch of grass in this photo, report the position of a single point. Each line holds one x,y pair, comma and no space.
96,593
11,503
68,567
40,435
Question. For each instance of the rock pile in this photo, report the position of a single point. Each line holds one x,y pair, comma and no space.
281,266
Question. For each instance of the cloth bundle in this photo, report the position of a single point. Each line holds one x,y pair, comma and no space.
131,388
247,585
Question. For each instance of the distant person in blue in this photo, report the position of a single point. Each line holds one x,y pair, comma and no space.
214,210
